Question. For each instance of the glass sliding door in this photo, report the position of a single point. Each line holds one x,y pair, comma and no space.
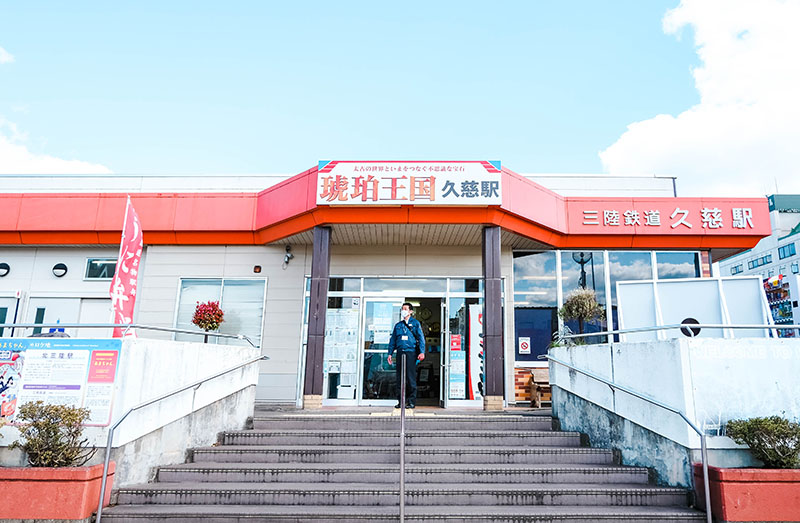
378,377
464,356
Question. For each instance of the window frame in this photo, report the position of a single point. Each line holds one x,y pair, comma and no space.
89,261
221,279
786,251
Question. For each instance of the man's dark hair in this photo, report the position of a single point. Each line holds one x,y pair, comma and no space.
410,307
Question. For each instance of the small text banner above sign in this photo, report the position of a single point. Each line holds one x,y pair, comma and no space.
409,183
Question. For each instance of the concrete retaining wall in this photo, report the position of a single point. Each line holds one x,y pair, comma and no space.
710,380
161,433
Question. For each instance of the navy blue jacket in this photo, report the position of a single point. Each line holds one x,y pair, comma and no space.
407,337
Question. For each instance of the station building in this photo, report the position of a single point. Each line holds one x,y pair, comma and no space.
314,267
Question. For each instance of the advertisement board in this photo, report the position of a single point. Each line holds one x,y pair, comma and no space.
458,369
476,358
62,371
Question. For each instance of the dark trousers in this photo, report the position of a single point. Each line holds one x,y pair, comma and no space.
411,376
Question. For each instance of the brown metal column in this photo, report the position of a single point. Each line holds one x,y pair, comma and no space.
317,309
492,319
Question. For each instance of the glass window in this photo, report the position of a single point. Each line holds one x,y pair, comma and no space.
100,268
626,266
39,318
671,265
585,270
786,251
468,285
408,285
344,284
795,268
535,301
242,301
3,315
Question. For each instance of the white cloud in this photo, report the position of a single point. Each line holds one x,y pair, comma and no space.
743,137
15,158
5,56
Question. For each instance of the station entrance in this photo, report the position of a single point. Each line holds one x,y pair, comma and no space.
360,317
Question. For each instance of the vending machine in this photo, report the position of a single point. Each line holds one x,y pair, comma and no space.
783,295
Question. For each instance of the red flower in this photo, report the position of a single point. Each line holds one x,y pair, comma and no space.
208,316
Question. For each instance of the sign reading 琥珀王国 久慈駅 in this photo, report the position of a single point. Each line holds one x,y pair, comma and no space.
409,183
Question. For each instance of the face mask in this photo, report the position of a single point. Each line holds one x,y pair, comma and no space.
405,313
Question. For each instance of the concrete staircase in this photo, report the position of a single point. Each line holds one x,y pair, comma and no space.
336,467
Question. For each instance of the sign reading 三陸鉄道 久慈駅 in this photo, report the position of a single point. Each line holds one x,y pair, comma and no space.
409,183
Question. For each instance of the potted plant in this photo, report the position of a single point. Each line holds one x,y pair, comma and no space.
56,485
771,493
581,305
208,316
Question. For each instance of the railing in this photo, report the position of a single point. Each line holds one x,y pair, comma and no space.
403,357
111,430
686,327
703,448
126,326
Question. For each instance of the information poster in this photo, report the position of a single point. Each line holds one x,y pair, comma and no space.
341,349
59,371
458,369
383,322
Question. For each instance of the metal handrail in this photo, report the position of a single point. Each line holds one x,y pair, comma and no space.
403,357
111,430
689,326
703,448
127,327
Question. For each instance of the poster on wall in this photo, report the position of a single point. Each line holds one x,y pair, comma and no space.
476,358
11,359
59,371
383,322
524,345
341,349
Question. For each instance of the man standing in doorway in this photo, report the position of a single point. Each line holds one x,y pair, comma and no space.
407,338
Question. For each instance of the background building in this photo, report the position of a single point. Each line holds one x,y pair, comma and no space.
315,275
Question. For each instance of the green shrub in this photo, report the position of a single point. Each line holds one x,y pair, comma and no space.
773,440
51,435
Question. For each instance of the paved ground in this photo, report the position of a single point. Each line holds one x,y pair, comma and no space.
388,411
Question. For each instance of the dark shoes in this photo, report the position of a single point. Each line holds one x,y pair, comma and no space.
408,405
398,405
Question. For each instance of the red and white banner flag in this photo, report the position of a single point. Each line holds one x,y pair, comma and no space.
123,286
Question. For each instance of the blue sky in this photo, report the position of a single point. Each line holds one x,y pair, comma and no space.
271,87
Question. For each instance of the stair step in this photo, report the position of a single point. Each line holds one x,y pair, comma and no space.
383,454
388,474
365,494
450,514
391,438
419,422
